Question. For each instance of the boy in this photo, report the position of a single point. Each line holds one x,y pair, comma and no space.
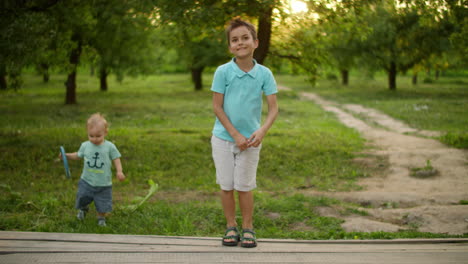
96,179
237,134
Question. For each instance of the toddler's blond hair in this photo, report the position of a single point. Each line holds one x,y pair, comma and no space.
97,119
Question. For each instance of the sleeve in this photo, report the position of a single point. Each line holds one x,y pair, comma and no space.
114,152
219,81
82,149
269,85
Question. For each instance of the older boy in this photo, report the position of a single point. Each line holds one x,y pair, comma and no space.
237,88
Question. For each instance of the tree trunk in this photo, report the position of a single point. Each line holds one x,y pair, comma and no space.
437,74
70,84
103,79
344,77
197,78
3,78
392,73
44,69
70,97
45,77
264,35
415,78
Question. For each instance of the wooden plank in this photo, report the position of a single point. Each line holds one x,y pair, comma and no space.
9,246
29,247
102,237
209,240
313,258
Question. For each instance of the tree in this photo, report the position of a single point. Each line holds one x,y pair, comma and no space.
343,28
24,36
457,15
75,20
402,37
194,28
47,33
123,39
264,32
33,27
198,29
328,34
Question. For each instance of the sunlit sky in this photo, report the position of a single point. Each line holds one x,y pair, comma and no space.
298,6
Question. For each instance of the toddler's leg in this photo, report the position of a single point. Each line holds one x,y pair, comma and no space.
102,219
103,202
84,197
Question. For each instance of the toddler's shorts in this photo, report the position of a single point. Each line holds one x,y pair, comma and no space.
101,195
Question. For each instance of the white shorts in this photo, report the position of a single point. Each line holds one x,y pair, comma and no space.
235,169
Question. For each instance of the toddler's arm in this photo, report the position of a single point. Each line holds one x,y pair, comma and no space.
118,167
71,156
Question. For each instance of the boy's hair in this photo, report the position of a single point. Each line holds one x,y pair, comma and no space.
237,22
97,119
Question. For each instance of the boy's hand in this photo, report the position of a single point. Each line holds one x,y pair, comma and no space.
241,142
256,138
120,176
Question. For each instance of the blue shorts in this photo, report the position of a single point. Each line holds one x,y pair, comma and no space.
102,197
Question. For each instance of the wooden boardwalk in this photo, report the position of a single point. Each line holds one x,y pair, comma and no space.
35,247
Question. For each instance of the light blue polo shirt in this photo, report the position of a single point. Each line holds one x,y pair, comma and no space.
242,96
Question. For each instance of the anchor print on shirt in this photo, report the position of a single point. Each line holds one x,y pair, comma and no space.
96,157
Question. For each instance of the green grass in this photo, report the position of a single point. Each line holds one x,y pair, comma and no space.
441,105
162,128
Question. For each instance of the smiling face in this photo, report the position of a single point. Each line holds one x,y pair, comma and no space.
241,42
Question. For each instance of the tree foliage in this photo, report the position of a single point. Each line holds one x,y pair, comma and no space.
197,29
123,39
390,35
117,34
26,36
142,37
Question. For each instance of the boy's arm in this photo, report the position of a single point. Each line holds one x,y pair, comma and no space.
256,138
118,169
218,100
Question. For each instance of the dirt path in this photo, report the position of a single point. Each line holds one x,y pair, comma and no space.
400,201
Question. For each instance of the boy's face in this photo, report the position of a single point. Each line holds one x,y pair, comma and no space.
96,134
242,43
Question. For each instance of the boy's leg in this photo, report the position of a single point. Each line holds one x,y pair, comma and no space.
246,203
229,207
244,182
223,158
